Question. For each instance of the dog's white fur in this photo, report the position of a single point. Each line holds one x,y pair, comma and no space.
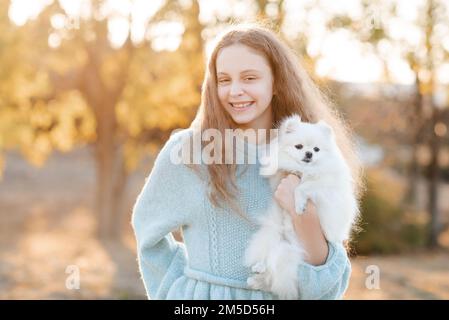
274,252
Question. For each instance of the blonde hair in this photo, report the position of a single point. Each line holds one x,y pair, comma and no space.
295,93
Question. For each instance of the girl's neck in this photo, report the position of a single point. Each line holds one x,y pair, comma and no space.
264,121
260,137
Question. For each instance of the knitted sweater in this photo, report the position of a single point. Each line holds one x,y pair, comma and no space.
209,264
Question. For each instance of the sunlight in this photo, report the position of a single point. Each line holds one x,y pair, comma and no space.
166,35
352,64
341,58
22,10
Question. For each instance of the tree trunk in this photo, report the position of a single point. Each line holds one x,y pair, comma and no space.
413,168
111,177
434,174
110,171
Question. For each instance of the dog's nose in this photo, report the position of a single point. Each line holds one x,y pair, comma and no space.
309,154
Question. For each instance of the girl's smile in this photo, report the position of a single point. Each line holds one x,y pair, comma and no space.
241,106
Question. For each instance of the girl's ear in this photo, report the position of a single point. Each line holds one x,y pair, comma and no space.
327,129
289,124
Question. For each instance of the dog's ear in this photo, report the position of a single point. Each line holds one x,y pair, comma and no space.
288,124
327,129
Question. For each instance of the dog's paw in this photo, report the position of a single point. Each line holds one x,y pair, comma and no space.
256,281
267,170
259,267
300,203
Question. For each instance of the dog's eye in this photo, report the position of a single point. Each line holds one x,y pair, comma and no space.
298,146
316,149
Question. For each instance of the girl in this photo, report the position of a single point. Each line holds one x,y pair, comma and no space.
252,81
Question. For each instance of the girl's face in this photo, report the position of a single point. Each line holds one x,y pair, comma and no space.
245,86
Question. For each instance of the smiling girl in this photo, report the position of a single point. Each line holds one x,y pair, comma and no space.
252,81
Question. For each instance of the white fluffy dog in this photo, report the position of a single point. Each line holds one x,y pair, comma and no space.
310,151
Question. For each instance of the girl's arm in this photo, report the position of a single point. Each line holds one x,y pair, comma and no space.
160,208
326,271
309,232
307,225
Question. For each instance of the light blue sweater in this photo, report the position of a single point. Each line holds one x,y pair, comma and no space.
209,264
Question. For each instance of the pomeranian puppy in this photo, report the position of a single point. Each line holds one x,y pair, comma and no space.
311,152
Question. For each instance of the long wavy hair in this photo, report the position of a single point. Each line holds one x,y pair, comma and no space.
295,93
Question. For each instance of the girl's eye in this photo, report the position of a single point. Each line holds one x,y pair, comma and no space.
298,146
316,149
223,80
250,78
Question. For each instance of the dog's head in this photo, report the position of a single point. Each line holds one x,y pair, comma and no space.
300,146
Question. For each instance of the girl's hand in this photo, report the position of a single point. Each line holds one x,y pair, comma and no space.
307,226
285,193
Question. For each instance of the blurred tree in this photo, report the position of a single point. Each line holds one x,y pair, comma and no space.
122,98
271,10
8,50
18,82
424,57
381,207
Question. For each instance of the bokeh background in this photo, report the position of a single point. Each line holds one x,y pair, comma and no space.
90,90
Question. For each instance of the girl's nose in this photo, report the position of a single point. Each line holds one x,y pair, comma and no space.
236,89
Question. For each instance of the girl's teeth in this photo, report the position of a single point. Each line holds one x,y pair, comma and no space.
242,105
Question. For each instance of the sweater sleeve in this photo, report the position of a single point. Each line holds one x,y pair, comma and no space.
161,207
327,281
